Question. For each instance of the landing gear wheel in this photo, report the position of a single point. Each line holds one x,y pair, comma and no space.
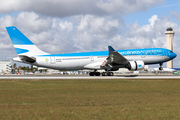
110,73
91,74
107,74
104,74
97,73
94,73
160,68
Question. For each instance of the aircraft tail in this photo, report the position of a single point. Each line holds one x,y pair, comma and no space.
22,44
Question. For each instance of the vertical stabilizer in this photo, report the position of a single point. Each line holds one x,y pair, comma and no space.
22,44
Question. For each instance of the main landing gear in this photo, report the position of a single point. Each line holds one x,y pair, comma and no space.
94,73
107,74
103,74
160,68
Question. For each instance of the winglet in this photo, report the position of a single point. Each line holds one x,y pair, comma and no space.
111,49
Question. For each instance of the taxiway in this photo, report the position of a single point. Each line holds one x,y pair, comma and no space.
89,77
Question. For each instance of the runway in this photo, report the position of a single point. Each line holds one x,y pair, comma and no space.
89,77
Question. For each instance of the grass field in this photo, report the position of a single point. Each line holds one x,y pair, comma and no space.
89,99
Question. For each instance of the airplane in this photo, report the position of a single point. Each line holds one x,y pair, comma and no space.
111,60
167,69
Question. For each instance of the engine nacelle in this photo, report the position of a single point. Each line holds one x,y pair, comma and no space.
135,65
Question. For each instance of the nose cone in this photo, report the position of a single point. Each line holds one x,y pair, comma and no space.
172,55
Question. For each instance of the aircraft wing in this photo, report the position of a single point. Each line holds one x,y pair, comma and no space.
115,58
114,61
27,58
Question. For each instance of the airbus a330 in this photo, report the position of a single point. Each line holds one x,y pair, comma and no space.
111,60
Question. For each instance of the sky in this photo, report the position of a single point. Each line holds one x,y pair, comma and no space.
66,26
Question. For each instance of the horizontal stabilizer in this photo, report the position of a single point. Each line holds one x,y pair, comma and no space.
27,59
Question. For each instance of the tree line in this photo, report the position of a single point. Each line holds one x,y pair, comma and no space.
25,68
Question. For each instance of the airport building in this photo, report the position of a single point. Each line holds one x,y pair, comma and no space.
169,39
5,66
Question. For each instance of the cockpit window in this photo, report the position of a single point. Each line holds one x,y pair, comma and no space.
171,51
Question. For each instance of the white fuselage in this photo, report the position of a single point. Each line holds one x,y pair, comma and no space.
78,63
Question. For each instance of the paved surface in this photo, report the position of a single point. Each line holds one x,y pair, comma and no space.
88,77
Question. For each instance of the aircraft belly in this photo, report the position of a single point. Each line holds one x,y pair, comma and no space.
155,59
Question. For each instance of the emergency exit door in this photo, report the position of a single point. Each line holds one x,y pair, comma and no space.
52,60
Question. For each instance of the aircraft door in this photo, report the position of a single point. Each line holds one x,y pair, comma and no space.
143,54
92,58
52,60
164,53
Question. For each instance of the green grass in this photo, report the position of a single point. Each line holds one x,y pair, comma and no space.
89,99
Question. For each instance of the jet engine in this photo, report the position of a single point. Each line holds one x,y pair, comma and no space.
135,65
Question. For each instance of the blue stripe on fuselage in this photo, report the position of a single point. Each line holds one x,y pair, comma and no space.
147,51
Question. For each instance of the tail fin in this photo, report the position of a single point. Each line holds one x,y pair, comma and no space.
22,44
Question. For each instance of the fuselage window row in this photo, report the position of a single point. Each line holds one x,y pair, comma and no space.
59,60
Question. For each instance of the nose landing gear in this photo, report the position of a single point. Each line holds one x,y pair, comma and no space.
161,68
